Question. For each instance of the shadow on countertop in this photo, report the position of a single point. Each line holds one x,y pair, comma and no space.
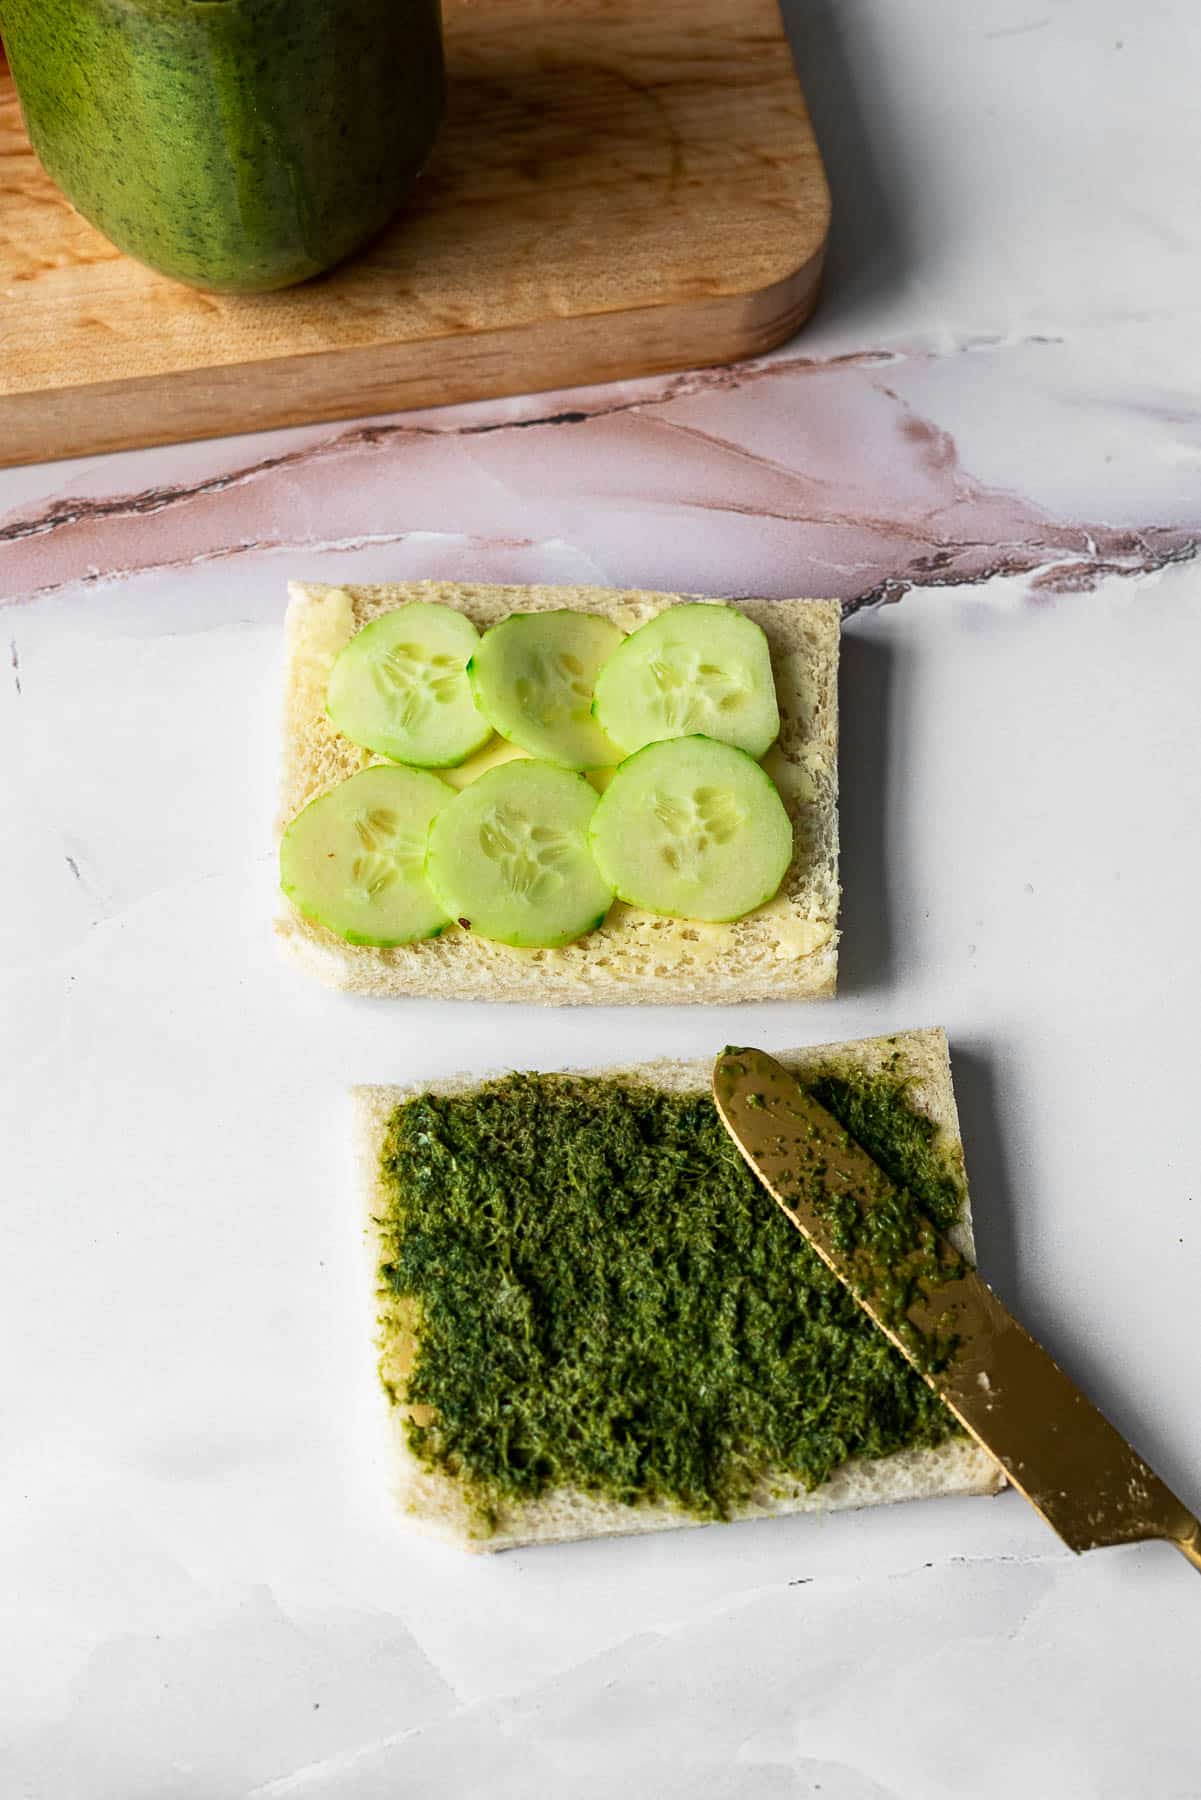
1097,1368
973,1069
862,146
867,691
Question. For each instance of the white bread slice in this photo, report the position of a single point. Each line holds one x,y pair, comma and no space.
435,1503
785,951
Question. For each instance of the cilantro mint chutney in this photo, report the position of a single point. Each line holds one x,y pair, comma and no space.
237,145
604,1298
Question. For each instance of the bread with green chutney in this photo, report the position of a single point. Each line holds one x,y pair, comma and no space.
592,1320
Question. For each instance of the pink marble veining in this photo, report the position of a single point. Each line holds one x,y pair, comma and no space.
857,476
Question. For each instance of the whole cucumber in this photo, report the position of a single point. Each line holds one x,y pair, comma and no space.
237,145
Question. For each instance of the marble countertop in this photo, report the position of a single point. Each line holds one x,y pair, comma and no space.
988,445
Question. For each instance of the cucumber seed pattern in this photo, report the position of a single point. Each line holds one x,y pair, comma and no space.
389,852
692,824
692,693
556,688
414,681
526,855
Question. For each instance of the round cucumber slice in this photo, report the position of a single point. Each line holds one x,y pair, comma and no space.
533,677
509,857
354,859
694,669
400,687
694,829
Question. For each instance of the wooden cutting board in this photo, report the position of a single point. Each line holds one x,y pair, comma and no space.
621,187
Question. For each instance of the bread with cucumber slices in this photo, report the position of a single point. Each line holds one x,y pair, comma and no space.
521,1332
786,949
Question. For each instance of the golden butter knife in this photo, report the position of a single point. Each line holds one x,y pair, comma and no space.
1014,1399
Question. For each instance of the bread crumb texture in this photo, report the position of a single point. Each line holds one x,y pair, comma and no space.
787,950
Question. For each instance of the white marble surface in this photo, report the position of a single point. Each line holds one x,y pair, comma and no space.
995,421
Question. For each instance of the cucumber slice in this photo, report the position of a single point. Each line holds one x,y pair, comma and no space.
694,829
509,857
400,687
533,676
694,669
354,859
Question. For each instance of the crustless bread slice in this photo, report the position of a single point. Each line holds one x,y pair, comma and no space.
434,1501
786,950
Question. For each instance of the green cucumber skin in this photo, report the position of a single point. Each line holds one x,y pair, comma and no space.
357,937
373,943
664,911
408,760
516,940
236,145
458,903
344,704
298,853
494,703
611,705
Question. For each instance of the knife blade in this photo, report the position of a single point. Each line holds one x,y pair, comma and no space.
1057,1449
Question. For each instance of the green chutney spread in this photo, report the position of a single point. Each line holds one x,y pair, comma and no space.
237,145
604,1297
